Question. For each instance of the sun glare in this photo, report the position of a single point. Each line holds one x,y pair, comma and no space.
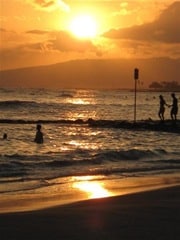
93,189
83,26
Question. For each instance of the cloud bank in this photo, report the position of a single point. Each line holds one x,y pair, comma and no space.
165,29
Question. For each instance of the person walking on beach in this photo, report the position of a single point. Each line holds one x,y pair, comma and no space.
174,109
39,134
162,108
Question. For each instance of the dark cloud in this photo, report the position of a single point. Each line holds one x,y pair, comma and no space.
45,3
164,29
49,5
35,31
2,30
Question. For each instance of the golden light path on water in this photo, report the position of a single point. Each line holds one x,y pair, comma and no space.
94,189
80,115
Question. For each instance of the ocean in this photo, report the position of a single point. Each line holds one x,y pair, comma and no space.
75,152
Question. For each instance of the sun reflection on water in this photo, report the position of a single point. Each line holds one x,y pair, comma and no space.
94,189
79,101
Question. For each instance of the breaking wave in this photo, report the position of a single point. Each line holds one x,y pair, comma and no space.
21,165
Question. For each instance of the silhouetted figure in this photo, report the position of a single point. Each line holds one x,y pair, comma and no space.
39,134
4,136
162,108
174,109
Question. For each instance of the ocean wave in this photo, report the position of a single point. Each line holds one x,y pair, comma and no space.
66,95
129,154
28,104
76,162
132,154
17,103
87,158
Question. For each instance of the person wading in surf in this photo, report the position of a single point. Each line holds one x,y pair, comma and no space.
39,135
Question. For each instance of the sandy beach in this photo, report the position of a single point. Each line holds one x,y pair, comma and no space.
153,214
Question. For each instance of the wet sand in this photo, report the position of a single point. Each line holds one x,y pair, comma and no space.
153,214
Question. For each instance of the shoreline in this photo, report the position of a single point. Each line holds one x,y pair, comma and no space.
153,214
81,188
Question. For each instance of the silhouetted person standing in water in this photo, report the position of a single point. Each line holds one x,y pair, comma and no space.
5,136
174,109
162,108
39,134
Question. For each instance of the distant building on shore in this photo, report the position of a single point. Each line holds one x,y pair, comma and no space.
165,86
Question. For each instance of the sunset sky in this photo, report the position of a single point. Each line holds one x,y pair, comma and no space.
39,32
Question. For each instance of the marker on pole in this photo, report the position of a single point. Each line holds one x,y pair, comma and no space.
136,77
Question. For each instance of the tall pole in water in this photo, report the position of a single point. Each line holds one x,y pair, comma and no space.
136,76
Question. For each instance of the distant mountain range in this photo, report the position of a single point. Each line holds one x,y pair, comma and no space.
92,73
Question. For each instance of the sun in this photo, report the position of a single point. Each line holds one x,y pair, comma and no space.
83,26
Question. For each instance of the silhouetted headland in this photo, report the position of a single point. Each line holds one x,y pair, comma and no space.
140,125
